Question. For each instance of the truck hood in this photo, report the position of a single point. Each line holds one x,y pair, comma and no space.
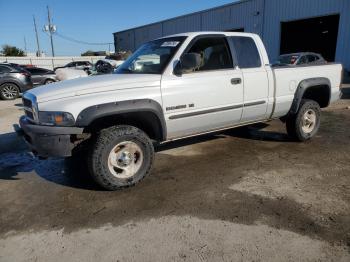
93,84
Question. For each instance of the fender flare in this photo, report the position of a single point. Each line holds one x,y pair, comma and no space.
14,82
303,86
92,113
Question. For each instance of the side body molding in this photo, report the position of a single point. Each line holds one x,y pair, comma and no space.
303,86
89,114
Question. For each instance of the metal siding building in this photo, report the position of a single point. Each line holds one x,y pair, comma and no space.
263,17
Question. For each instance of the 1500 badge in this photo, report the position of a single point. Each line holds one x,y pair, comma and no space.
168,108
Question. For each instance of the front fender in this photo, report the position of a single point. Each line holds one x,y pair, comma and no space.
88,115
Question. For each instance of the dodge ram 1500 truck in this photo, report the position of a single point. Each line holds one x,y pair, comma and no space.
171,88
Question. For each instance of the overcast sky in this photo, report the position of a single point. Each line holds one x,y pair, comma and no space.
85,20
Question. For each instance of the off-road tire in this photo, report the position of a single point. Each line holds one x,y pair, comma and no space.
103,144
14,87
294,122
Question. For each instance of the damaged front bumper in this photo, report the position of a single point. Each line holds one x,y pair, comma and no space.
49,141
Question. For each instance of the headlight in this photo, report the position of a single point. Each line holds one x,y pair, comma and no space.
56,118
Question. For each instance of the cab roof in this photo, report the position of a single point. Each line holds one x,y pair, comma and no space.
194,34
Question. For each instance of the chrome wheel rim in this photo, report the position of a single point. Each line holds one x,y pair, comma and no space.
309,121
125,159
9,91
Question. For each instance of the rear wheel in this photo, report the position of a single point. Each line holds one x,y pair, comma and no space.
305,123
120,157
48,81
9,91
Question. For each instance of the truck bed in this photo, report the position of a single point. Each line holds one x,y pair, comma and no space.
287,79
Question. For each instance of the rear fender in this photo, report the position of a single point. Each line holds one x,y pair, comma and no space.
303,86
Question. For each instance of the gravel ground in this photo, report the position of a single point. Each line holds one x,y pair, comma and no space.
246,194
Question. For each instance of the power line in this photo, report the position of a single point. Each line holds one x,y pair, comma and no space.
51,30
79,41
25,45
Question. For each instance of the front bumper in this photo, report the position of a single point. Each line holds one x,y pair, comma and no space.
49,141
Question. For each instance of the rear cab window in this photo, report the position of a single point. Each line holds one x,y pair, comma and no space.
246,52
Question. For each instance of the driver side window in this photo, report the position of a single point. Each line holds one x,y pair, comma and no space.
214,53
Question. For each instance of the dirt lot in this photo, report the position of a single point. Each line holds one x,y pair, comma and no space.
245,195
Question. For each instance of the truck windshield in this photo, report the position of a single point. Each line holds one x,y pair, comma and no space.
152,57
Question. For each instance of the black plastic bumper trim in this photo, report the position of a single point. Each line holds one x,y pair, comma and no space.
49,141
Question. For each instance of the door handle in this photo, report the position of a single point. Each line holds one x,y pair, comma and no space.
236,81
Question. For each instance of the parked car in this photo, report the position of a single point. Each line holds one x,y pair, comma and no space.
67,73
42,76
201,82
303,58
13,81
105,66
84,65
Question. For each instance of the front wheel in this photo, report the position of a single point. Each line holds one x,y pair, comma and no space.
121,156
305,123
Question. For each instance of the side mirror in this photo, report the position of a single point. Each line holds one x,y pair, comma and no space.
187,62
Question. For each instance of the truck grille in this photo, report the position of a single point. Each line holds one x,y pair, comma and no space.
29,115
28,109
27,102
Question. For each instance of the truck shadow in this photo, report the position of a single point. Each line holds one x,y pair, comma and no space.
257,132
251,132
74,172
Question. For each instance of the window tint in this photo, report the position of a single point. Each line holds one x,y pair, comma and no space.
40,71
287,59
311,58
4,69
33,70
246,52
214,53
303,60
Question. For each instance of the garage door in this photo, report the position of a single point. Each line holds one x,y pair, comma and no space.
317,35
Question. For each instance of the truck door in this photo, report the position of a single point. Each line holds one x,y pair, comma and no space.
256,83
207,98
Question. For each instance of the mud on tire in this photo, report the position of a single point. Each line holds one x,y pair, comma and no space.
120,156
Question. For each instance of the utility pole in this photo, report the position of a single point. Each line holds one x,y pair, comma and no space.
51,30
25,45
37,37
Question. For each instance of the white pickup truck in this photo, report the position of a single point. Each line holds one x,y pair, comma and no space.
194,83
